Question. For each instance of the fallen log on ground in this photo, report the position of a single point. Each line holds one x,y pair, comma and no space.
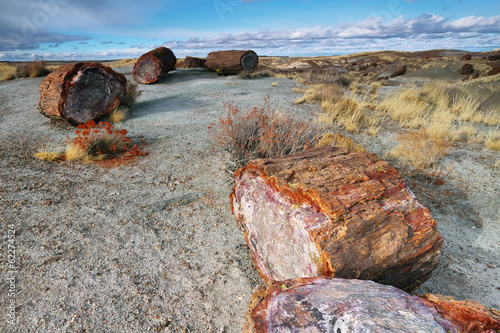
155,64
336,305
232,62
192,62
81,92
328,212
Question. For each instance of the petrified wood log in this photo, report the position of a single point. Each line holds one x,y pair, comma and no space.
467,69
399,72
232,62
152,66
336,305
328,212
81,92
192,62
468,315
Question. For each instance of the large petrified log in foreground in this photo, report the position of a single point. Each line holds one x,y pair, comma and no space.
152,66
192,62
232,62
468,315
337,305
81,92
328,212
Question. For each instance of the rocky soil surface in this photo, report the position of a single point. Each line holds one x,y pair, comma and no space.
153,246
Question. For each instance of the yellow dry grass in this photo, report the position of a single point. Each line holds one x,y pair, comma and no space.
274,84
119,114
7,71
419,148
337,140
492,140
49,156
76,153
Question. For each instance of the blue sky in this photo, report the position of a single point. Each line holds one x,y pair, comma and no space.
112,29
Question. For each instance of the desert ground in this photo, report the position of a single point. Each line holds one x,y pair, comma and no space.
152,246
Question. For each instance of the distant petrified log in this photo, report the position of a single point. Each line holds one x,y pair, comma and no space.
467,69
328,212
232,62
468,315
399,72
494,57
494,71
81,92
336,305
467,57
152,66
192,62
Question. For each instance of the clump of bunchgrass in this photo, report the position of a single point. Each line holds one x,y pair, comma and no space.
131,95
419,149
119,114
337,140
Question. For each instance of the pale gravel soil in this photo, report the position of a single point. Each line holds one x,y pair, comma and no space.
153,246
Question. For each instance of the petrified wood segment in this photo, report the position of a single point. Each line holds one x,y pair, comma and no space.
152,66
468,315
81,92
192,62
341,306
232,62
328,212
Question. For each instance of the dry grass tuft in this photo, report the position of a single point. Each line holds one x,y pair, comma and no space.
346,112
132,94
49,156
492,141
274,84
8,76
419,149
119,114
337,140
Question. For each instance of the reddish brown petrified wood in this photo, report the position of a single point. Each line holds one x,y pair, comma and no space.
152,66
328,212
192,62
335,305
81,92
468,315
232,62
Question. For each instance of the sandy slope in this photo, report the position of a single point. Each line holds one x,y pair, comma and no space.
152,246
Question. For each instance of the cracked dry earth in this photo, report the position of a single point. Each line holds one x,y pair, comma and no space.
152,245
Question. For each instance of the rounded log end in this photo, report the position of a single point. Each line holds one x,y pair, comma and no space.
249,61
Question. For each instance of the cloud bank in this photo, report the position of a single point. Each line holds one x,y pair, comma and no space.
426,31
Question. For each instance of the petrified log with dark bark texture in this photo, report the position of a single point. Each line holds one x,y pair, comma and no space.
468,315
467,57
494,71
328,212
467,69
152,66
494,57
232,62
81,92
399,72
341,306
192,62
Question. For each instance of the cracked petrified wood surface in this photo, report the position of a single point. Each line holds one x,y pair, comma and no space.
81,92
153,65
468,315
328,212
341,306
